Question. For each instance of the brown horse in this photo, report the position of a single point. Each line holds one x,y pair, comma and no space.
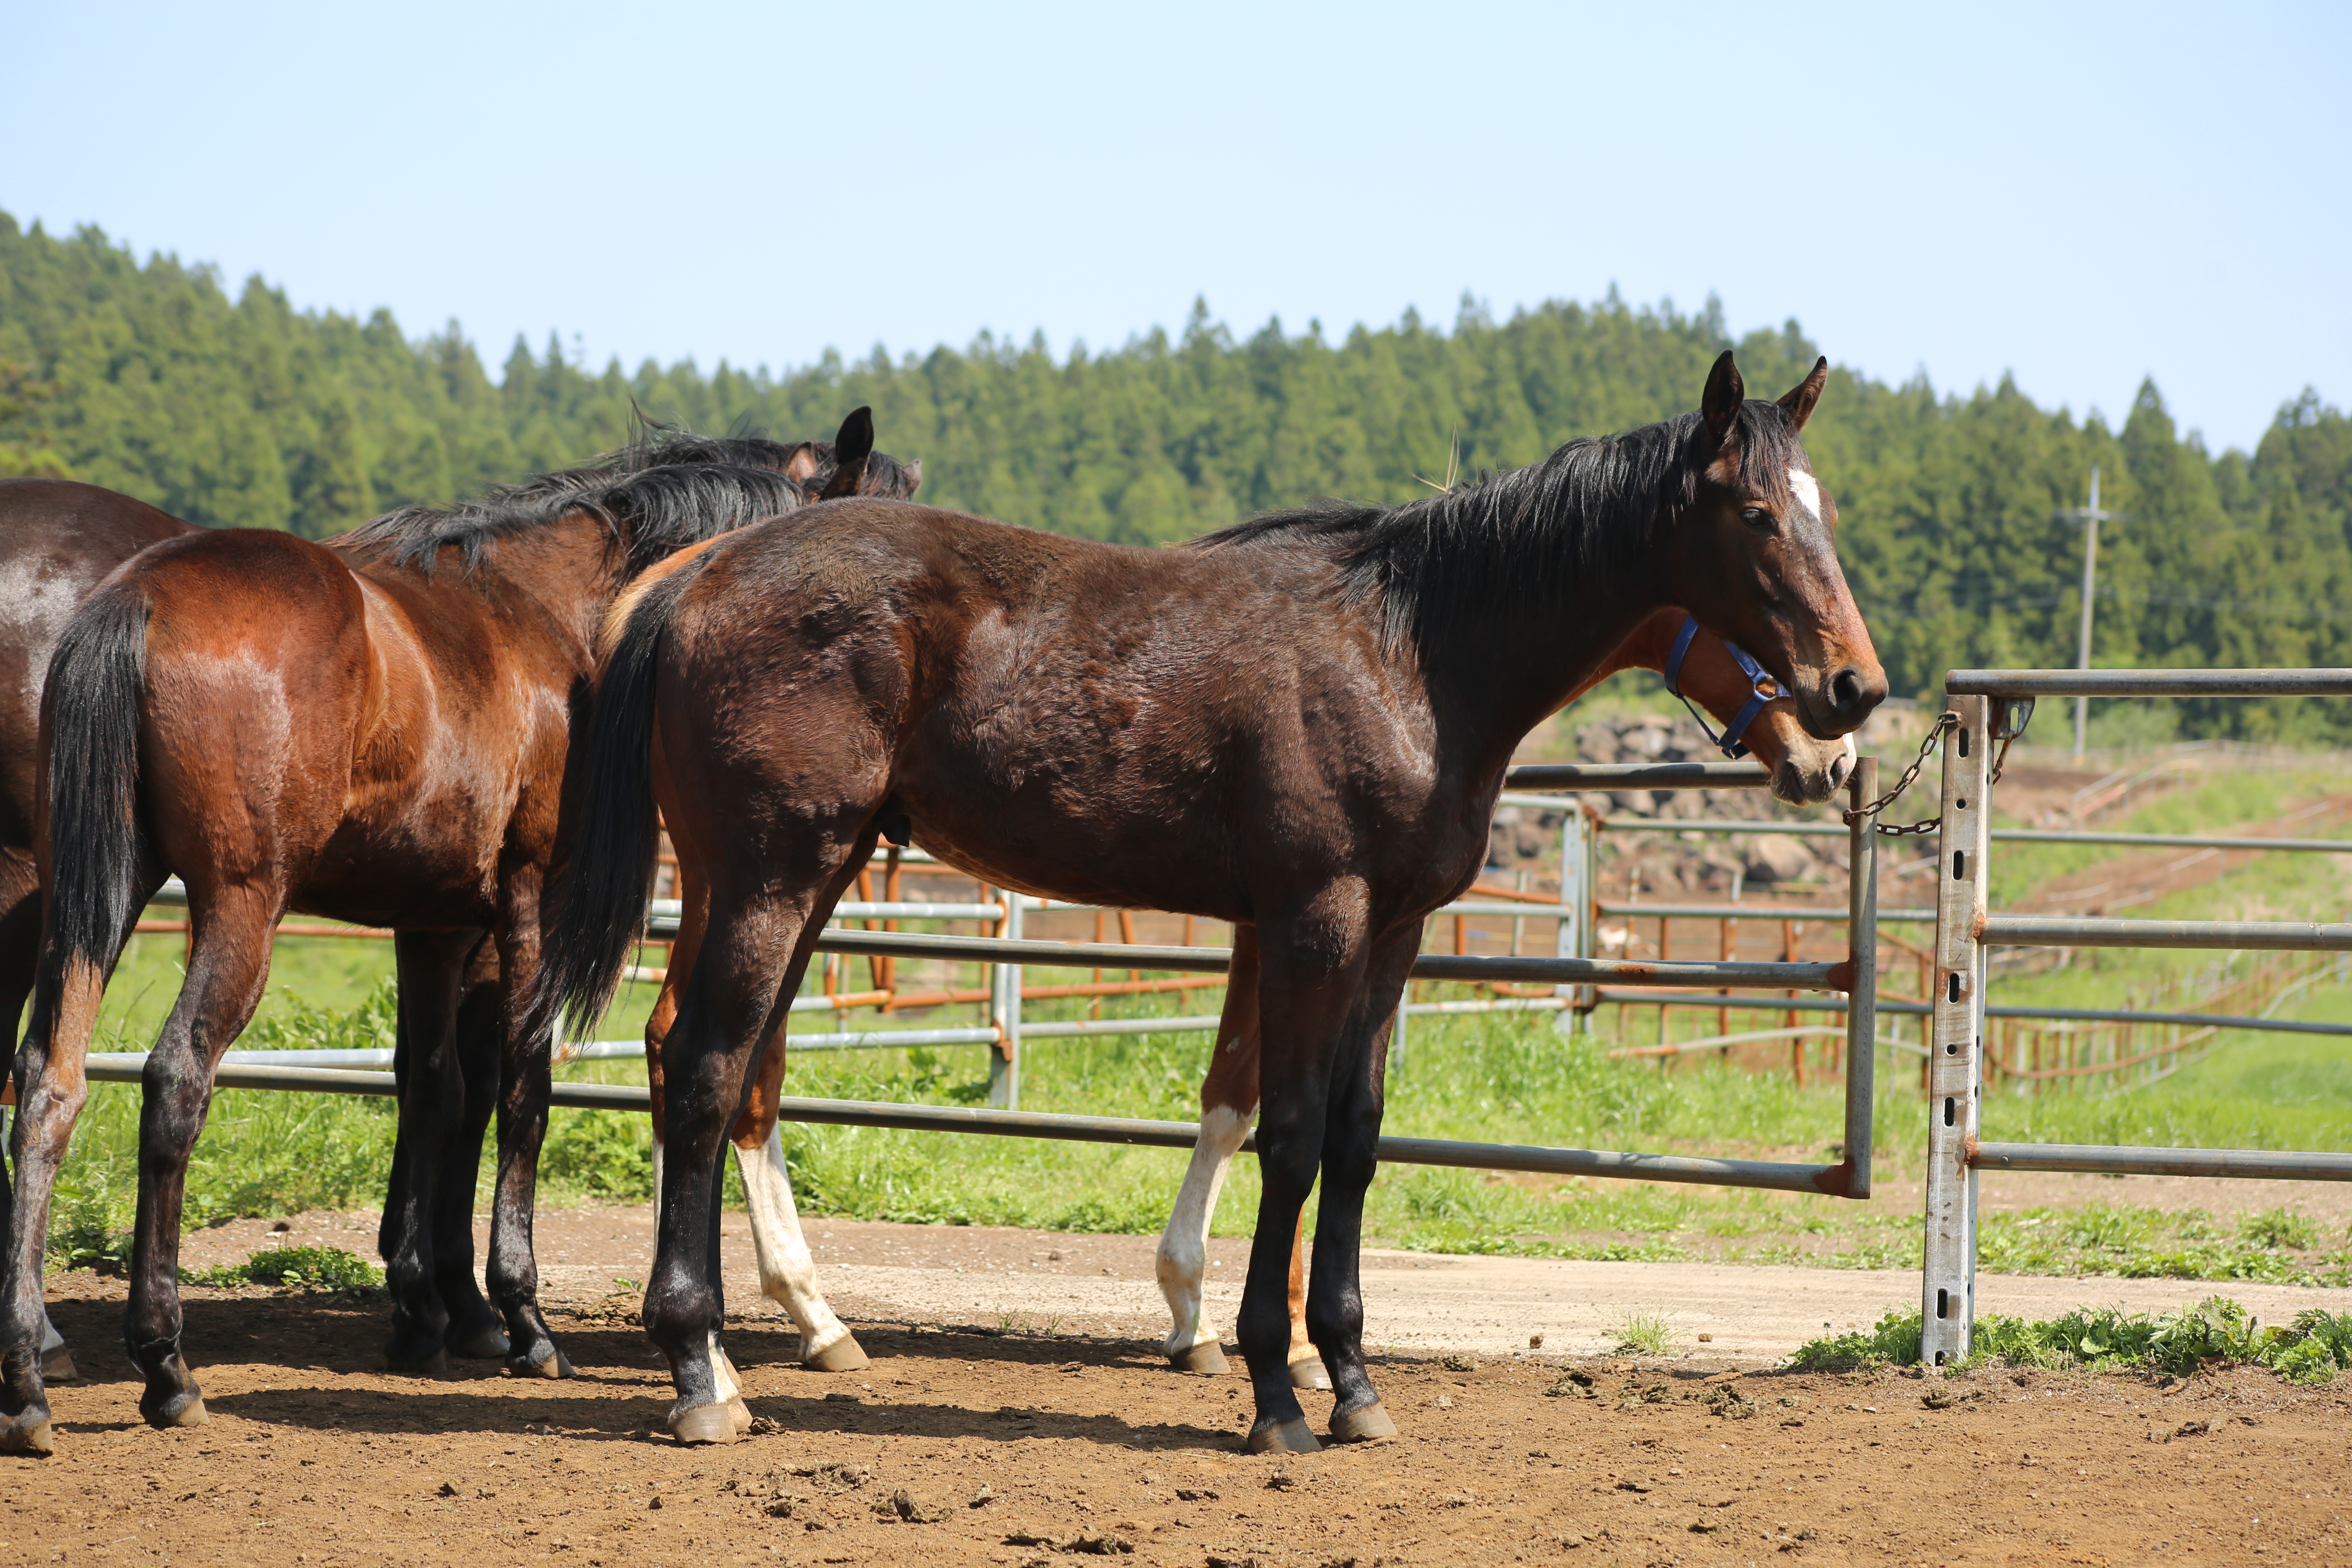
1300,724
58,539
1801,769
376,733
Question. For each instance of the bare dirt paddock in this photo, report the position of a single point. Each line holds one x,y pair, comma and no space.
966,1444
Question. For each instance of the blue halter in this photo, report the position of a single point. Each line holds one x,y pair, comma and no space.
1762,689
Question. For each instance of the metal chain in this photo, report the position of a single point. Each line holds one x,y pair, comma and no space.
1946,720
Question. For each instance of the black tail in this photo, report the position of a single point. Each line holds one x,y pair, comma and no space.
97,678
599,905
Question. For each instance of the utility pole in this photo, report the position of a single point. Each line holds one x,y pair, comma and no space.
2090,516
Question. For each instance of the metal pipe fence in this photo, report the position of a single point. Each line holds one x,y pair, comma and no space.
1009,954
1966,932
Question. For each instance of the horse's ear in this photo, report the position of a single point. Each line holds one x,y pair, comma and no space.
801,467
852,445
914,476
1798,400
855,439
1725,391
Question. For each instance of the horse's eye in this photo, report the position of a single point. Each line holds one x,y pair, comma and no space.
1755,517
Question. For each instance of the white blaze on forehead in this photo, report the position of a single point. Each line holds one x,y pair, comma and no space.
1808,494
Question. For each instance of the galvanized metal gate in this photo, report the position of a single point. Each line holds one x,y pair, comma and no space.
1983,702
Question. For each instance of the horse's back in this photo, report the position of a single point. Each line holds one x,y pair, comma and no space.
58,539
1106,704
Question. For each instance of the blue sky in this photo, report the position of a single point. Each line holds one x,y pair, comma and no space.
2079,195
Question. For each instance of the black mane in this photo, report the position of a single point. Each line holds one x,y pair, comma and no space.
666,489
1517,541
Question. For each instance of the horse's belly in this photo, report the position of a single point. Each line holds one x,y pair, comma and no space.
1071,862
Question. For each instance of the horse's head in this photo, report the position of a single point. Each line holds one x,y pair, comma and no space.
849,465
1754,555
1758,717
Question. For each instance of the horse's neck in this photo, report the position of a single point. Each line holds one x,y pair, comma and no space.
1489,688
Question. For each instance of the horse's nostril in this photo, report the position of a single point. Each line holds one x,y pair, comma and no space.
1847,690
1841,769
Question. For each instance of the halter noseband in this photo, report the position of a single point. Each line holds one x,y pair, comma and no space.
1761,689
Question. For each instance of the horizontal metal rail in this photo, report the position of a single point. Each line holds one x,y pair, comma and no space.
1724,1042
1717,1001
2149,682
2065,931
2256,1165
1637,775
2173,840
2000,835
1429,966
1755,912
1768,1175
1701,824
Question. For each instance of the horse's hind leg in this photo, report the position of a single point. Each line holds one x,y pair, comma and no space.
432,1106
229,966
20,946
525,1077
1351,1133
1229,1095
475,1333
787,1272
754,952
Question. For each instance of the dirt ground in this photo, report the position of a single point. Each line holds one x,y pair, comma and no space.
966,1443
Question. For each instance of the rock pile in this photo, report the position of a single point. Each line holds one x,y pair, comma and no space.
1668,863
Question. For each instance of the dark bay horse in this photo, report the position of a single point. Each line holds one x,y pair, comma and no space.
376,732
1300,724
1801,769
58,539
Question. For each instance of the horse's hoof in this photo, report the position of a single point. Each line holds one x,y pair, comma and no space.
844,1354
482,1344
740,1414
180,1410
550,1361
434,1364
708,1423
1362,1425
1208,1359
27,1434
56,1365
1291,1436
1309,1374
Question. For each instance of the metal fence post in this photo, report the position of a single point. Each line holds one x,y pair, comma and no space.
1005,1012
1956,1043
1575,939
1862,998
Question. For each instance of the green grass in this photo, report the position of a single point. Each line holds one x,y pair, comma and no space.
1645,1333
2217,1332
1499,1078
294,1267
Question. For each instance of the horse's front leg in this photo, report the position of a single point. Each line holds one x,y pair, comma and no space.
1311,968
1351,1134
512,1275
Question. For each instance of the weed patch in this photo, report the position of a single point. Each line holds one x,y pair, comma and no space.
2217,1332
294,1267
